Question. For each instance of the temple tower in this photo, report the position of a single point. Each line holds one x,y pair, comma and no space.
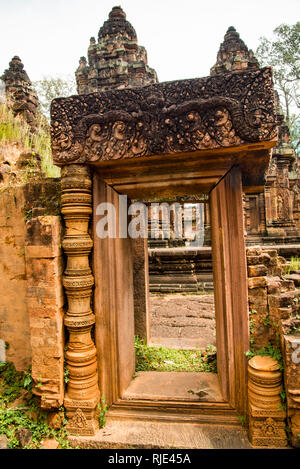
233,55
20,96
116,60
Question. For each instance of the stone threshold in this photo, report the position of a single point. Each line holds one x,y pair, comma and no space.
132,434
174,386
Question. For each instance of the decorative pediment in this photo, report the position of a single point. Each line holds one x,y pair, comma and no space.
220,111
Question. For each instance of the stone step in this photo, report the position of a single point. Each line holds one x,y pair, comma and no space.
120,433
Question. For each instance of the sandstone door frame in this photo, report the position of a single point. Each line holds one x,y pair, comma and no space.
205,135
114,328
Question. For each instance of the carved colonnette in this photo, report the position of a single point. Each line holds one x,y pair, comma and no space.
266,414
82,392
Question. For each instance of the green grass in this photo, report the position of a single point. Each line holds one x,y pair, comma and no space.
29,415
164,359
16,130
294,264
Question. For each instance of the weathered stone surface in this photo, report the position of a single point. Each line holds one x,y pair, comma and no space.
116,61
3,442
172,117
257,282
14,321
233,55
272,299
257,270
19,92
295,278
49,444
183,317
55,419
257,297
175,270
274,311
274,284
263,258
24,436
145,434
291,359
45,301
266,417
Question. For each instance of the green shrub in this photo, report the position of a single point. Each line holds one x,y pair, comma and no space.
164,359
16,129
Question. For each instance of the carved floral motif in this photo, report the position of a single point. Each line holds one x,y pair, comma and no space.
187,115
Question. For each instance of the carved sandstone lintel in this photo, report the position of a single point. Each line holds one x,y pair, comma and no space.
166,118
82,392
266,415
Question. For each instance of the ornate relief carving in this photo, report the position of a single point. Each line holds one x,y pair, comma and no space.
187,115
79,319
78,420
266,415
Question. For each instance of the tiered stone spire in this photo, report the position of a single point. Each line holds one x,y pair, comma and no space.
282,180
20,95
233,55
116,61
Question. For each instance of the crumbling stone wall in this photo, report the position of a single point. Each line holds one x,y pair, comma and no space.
116,60
18,204
45,301
14,321
272,296
275,321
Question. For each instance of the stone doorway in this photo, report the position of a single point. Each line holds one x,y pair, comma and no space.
179,359
187,137
113,264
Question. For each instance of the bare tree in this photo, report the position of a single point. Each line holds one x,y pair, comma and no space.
49,88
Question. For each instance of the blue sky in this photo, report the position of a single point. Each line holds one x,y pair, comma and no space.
182,37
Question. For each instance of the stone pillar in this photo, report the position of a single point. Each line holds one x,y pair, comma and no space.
82,393
266,413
